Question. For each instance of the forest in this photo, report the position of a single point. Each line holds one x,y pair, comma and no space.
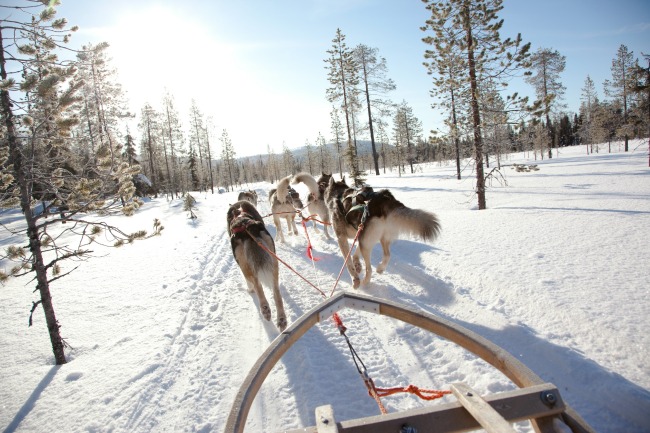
66,148
75,111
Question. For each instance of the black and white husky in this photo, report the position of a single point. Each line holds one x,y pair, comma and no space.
285,204
316,199
249,240
384,219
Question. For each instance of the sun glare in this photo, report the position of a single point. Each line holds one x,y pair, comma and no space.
158,48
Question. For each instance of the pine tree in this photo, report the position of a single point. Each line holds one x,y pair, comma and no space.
197,140
547,65
375,83
337,132
310,157
193,167
323,154
475,27
407,128
446,65
150,147
288,160
383,139
495,121
588,103
208,151
343,76
620,87
104,105
188,205
642,90
228,158
35,160
172,140
129,149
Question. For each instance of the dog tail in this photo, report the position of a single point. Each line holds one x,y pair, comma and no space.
416,222
308,180
283,189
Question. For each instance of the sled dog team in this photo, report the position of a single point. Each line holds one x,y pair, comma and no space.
384,219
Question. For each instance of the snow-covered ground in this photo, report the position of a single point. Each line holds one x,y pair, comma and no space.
164,331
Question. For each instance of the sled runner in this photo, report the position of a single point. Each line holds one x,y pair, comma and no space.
534,400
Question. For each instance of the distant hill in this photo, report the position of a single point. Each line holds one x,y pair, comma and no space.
363,148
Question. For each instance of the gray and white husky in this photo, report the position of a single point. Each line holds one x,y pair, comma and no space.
316,200
285,204
384,219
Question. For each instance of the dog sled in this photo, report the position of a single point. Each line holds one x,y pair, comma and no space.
534,400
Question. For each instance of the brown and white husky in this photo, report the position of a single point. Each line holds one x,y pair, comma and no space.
285,204
249,239
384,220
316,199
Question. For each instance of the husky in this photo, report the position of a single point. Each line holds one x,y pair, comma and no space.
249,195
285,203
247,236
384,219
316,200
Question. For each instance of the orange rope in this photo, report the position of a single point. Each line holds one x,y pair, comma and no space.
424,394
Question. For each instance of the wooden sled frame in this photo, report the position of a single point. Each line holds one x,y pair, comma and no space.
535,400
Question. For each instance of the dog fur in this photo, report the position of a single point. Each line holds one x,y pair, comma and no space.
315,200
387,219
284,201
249,195
246,229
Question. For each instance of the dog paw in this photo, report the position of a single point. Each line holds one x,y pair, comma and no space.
282,323
356,283
266,311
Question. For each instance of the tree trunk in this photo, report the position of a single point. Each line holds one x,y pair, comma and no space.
375,157
476,115
32,230
207,142
454,123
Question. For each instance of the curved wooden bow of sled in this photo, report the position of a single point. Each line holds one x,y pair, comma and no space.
535,400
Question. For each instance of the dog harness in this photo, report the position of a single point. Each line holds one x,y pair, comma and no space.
241,222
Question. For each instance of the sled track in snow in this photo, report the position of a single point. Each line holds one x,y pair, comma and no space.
190,371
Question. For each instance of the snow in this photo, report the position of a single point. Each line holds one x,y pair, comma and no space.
164,331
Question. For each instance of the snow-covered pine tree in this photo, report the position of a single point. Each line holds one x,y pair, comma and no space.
37,172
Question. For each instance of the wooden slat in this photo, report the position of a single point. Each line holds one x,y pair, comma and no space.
516,405
482,412
325,422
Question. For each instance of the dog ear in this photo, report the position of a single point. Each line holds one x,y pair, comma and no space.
331,181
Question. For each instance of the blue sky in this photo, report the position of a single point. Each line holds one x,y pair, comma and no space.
257,67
